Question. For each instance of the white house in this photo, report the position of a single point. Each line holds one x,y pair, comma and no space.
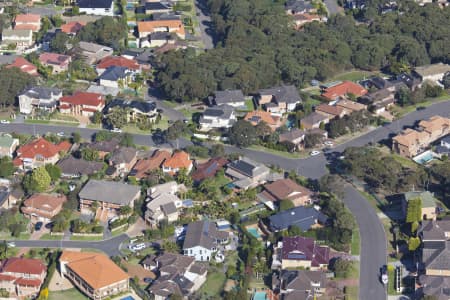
217,117
96,7
432,73
116,77
203,240
39,97
22,38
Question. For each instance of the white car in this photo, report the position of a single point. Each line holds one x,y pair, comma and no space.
136,247
61,134
116,130
11,244
328,143
314,153
5,122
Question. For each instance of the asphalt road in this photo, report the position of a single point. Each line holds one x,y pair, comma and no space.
205,24
373,245
332,7
153,94
110,247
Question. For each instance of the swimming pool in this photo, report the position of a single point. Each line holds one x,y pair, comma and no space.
127,298
424,157
260,296
254,231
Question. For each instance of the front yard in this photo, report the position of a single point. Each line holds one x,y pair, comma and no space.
72,294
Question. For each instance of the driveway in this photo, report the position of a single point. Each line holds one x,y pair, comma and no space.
332,7
205,24
153,94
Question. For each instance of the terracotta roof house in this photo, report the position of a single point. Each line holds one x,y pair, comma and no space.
208,169
118,61
72,167
94,274
280,99
82,103
105,147
22,277
43,207
148,27
58,62
285,189
343,89
202,240
8,144
258,116
27,22
313,120
123,159
24,65
73,27
294,136
109,194
179,160
303,252
330,111
38,97
39,152
234,98
21,38
301,216
299,284
144,166
350,106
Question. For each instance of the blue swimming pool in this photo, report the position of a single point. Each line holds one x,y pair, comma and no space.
424,158
260,296
127,298
254,232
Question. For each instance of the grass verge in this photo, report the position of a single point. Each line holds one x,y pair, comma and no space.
356,242
86,238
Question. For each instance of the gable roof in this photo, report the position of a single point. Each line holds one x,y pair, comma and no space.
248,167
72,27
142,106
23,265
427,198
95,268
228,96
24,65
329,109
303,248
433,69
78,167
118,61
145,165
41,92
283,94
114,73
152,26
27,18
109,191
203,234
43,148
344,88
221,112
313,118
83,98
94,3
105,146
156,6
302,217
123,155
45,202
178,160
436,255
208,169
351,105
258,116
6,140
435,230
54,59
286,189
292,135
302,280
92,47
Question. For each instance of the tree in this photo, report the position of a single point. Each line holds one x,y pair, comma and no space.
342,268
43,295
116,118
262,129
127,140
183,177
76,138
75,10
3,250
286,204
97,117
414,210
6,167
89,154
126,210
170,247
59,42
175,130
217,150
105,31
79,69
413,243
12,82
446,80
242,134
37,181
54,172
312,139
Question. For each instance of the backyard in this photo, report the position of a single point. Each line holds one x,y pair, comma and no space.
72,294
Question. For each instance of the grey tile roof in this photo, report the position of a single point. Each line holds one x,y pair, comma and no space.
436,255
202,233
156,6
114,73
94,3
222,112
109,191
283,94
123,155
292,135
169,208
77,167
41,92
438,286
92,47
296,6
302,217
228,96
313,118
301,280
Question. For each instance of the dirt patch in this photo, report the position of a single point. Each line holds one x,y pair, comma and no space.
138,271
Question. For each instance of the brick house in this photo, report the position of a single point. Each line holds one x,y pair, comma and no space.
58,62
285,189
43,207
82,103
39,152
179,160
27,22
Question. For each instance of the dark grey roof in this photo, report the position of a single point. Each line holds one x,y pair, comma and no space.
436,255
441,149
109,191
169,208
114,73
202,233
302,217
446,139
166,16
4,195
301,280
228,96
160,35
245,166
283,94
380,83
223,111
105,146
313,118
296,6
41,92
76,167
123,155
7,59
438,286
94,3
144,107
408,79
156,6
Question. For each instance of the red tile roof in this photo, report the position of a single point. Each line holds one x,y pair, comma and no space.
27,18
28,282
45,203
23,265
31,27
209,168
344,88
178,160
82,98
257,116
118,61
72,27
54,59
303,248
25,66
329,109
152,26
42,147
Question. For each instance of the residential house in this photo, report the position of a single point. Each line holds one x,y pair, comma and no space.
96,7
411,142
410,80
123,159
179,275
304,18
158,39
234,98
313,120
82,104
179,160
72,28
350,106
58,62
379,100
4,197
444,147
203,239
135,109
104,147
27,22
157,7
294,136
247,173
117,61
342,90
38,97
435,286
301,216
294,7
39,152
258,116
217,117
92,52
299,284
285,190
208,169
330,111
429,203
21,38
170,187
24,65
22,277
436,258
162,207
43,207
72,167
109,195
116,77
8,145
94,274
302,252
146,28
144,166
434,230
432,73
280,99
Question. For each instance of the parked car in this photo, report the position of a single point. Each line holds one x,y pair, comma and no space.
38,226
116,130
314,153
148,280
136,247
5,122
11,244
328,143
384,275
49,225
61,134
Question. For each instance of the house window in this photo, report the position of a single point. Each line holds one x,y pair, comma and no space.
201,252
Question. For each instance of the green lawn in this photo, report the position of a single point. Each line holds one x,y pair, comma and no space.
86,238
72,294
7,236
353,75
399,111
355,242
48,236
279,153
213,285
47,122
249,104
351,292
